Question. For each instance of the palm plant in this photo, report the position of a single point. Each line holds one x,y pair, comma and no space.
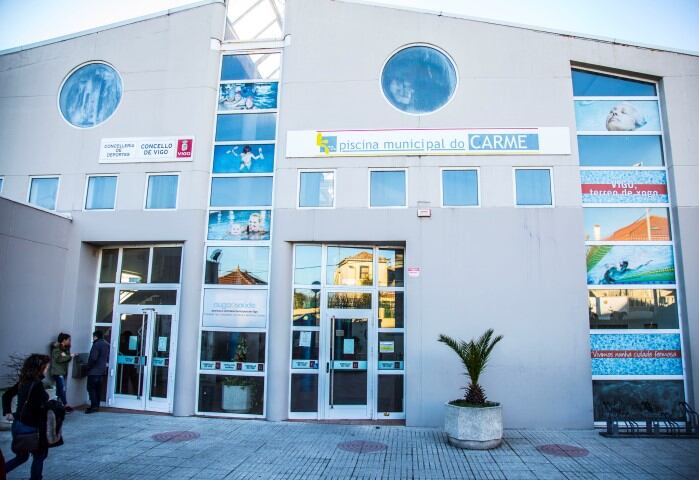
474,355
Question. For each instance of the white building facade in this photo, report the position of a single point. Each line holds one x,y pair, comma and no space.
276,209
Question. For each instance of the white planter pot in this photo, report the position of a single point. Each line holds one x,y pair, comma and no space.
237,398
474,428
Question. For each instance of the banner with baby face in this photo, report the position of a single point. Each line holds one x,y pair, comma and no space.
617,115
239,225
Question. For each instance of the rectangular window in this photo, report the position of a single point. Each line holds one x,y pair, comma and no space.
237,265
238,347
306,311
43,192
166,265
241,191
387,188
134,265
316,189
248,127
162,192
620,150
636,309
533,187
251,67
101,192
459,188
237,394
108,268
626,224
593,84
304,392
307,262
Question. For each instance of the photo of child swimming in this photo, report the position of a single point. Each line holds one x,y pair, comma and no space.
247,96
239,225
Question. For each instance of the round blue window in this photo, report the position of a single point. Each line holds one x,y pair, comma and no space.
90,95
418,79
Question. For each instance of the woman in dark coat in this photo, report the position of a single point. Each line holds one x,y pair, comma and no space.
30,414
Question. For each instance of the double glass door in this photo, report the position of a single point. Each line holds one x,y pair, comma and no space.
349,356
143,358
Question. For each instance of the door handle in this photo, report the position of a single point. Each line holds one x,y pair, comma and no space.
327,367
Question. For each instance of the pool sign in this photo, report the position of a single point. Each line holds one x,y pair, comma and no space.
146,149
425,141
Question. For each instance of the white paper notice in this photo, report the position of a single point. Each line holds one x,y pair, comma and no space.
133,343
305,339
162,344
386,347
348,346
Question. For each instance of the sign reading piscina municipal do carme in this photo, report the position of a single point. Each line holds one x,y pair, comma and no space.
146,149
452,141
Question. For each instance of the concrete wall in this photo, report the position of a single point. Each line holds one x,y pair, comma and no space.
169,74
519,271
33,257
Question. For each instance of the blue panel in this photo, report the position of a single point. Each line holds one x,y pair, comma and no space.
253,126
251,158
460,187
418,79
636,354
241,191
90,95
620,151
589,84
533,187
388,189
243,67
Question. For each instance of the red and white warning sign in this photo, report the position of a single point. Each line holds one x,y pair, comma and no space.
413,272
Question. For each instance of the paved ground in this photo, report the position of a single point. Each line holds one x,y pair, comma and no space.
114,446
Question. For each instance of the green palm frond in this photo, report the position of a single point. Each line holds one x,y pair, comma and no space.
474,354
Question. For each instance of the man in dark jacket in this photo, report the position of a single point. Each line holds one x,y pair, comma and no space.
97,368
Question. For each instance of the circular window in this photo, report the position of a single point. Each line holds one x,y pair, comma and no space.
418,79
90,95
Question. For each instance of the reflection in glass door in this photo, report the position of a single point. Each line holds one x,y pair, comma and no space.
142,357
347,333
347,375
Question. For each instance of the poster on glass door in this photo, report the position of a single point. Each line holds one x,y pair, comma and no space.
630,264
235,308
636,354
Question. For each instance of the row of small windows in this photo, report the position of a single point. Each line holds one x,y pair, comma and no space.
460,188
387,188
101,190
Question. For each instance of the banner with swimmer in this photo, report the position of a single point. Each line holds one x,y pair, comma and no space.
630,264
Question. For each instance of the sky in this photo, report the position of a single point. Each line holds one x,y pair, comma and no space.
669,23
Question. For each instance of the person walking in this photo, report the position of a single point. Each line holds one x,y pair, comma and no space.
60,358
97,368
30,415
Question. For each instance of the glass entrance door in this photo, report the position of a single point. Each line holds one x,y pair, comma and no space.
349,352
142,366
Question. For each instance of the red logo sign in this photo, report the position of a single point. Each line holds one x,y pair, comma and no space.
184,147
